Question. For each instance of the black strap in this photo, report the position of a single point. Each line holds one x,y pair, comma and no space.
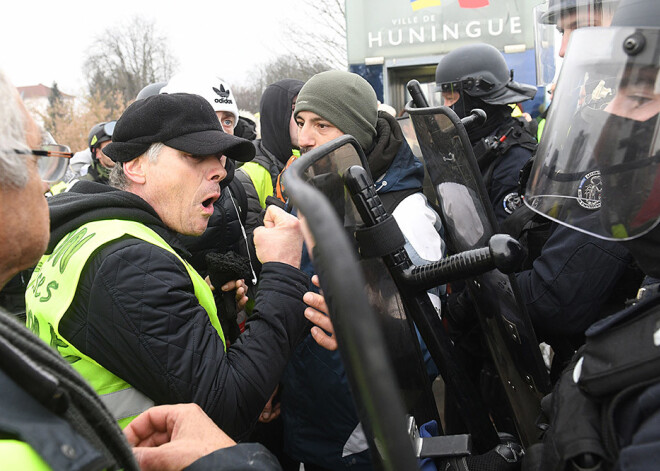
382,239
54,439
488,151
391,199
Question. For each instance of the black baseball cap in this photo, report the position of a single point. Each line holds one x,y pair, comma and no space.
182,121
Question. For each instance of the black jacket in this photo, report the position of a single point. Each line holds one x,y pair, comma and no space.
136,314
274,148
501,175
46,404
609,417
576,280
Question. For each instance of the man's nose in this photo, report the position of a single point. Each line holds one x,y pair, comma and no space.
217,171
305,136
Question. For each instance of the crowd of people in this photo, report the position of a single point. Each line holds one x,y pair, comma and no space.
172,313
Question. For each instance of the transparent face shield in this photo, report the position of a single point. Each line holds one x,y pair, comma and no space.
324,171
596,168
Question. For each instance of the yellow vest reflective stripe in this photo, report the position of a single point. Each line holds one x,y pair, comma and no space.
53,286
19,455
126,404
261,179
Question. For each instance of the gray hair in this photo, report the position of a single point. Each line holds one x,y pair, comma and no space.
118,177
13,168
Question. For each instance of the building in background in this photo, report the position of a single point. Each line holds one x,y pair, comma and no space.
36,98
390,42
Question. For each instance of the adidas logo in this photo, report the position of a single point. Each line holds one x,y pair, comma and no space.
223,94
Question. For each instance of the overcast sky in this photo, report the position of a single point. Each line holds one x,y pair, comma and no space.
45,41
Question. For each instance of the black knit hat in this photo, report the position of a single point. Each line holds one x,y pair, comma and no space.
179,120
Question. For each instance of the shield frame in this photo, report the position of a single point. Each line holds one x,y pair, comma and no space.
360,338
460,190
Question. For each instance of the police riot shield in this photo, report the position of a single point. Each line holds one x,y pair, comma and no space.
469,223
325,171
314,185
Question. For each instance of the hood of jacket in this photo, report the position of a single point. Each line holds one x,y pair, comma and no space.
275,114
267,159
88,201
391,161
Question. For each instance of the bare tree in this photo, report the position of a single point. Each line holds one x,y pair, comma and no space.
70,123
57,109
288,66
126,58
325,37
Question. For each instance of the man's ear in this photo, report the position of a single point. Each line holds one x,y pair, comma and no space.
136,170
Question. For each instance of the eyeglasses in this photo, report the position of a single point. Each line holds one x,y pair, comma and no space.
53,161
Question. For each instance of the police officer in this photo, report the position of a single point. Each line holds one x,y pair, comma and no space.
570,279
569,15
477,76
603,179
98,169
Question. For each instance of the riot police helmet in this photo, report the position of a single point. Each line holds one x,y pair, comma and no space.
480,71
100,133
150,90
556,9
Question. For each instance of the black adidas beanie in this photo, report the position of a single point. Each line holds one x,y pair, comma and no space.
346,100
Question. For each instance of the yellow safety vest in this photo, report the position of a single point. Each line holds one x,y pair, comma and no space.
261,179
18,455
51,290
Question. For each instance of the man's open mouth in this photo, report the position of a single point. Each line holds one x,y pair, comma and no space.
208,202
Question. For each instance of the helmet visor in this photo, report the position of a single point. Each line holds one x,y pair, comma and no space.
574,14
109,128
597,166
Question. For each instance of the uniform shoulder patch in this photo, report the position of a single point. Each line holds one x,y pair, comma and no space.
511,202
589,190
